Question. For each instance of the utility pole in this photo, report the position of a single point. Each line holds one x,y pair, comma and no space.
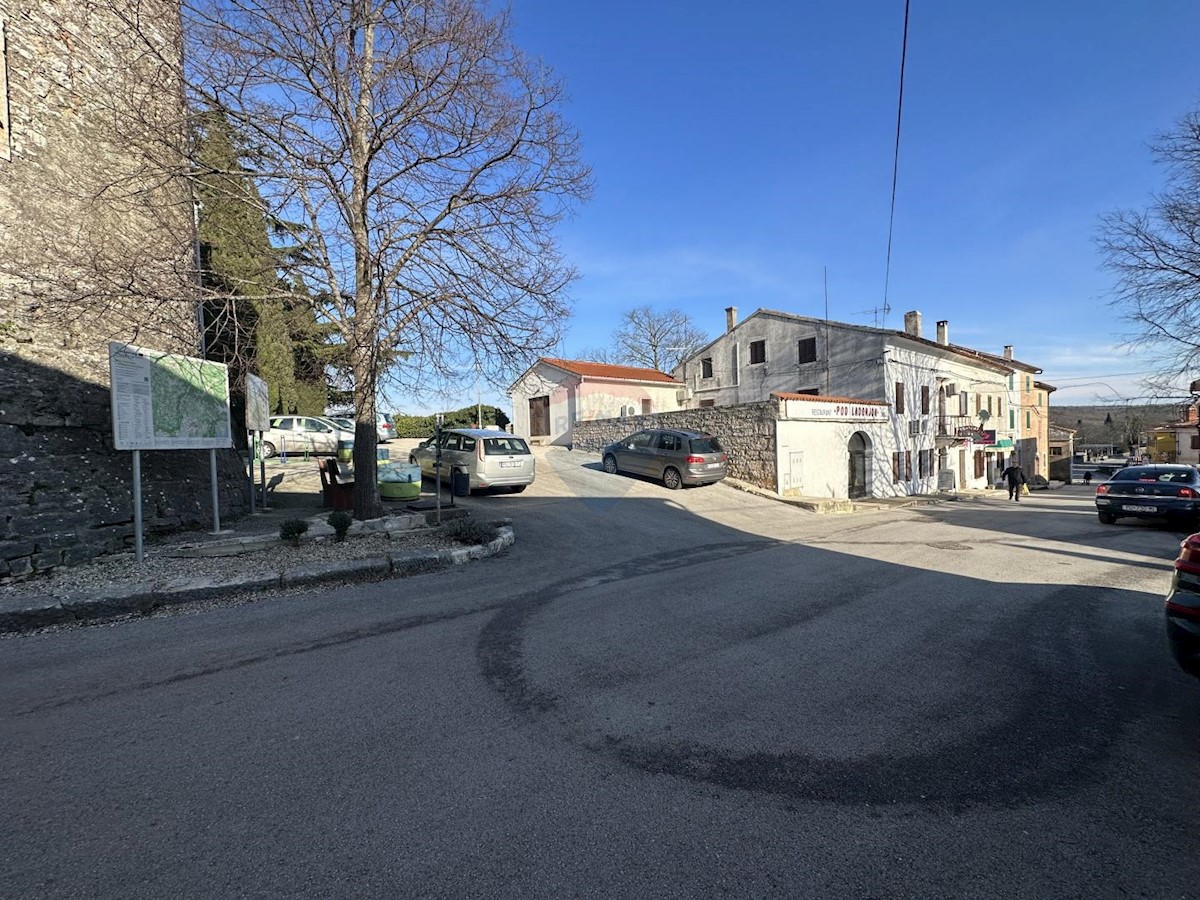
478,395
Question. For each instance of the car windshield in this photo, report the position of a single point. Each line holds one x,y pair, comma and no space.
706,444
504,446
1150,473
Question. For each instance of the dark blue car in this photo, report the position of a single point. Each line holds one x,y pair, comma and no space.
1151,492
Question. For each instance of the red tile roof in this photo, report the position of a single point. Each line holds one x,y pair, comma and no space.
604,370
820,398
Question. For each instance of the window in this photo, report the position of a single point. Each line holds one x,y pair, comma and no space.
734,366
466,443
645,407
1012,419
1040,395
978,403
506,446
808,350
1028,383
924,399
705,403
706,367
282,424
989,404
980,464
758,352
999,407
922,466
706,444
899,398
962,403
1196,441
908,465
669,442
810,392
642,440
1028,419
895,468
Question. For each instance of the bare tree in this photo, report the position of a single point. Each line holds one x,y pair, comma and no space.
1155,255
418,163
656,339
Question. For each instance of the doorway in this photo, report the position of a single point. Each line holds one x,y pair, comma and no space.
859,483
539,417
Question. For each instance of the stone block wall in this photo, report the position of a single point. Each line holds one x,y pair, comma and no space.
746,431
96,244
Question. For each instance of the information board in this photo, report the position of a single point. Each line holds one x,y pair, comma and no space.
258,404
164,401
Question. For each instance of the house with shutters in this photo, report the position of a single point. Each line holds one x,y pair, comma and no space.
953,417
554,394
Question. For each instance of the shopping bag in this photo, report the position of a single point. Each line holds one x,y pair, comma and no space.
1025,490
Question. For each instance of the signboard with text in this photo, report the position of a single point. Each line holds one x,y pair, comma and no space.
817,410
164,401
258,404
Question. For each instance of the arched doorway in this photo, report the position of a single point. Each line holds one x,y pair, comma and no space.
859,447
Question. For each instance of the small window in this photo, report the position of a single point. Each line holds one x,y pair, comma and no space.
1012,419
466,443
706,403
922,471
978,403
758,352
1028,383
645,407
810,392
1028,419
282,424
899,398
980,464
895,468
1040,395
706,367
908,465
924,399
808,350
668,442
962,403
999,407
642,440
451,441
1196,441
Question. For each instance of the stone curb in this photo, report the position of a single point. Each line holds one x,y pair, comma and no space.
829,506
142,597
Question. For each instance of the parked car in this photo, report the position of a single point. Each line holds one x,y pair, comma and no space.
673,457
295,434
1168,491
490,458
1183,607
384,429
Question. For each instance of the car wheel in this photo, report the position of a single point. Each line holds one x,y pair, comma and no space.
1107,519
268,450
610,464
671,479
516,488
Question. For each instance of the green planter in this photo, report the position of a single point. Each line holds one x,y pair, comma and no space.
399,490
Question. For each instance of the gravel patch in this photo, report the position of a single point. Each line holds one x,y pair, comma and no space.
115,572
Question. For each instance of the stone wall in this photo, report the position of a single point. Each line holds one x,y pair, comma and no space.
747,432
96,244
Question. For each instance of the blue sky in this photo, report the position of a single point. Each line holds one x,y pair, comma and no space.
740,148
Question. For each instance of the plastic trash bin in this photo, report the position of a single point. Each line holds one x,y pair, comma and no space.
460,483
345,451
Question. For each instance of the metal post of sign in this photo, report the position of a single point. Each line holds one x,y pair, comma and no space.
437,465
250,469
137,505
262,470
216,500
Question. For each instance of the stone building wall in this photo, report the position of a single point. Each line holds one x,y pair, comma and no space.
96,244
747,432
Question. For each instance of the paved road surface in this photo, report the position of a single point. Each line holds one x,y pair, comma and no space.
655,694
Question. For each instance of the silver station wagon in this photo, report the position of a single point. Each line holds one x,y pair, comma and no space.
490,458
673,457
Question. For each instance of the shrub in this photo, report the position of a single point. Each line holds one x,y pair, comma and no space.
292,529
469,531
340,521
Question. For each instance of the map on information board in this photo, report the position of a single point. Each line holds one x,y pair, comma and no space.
163,401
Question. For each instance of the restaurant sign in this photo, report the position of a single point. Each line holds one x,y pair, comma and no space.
817,410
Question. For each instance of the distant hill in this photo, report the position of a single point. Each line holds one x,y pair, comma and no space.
1116,423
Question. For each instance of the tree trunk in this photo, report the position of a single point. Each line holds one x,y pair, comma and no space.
367,504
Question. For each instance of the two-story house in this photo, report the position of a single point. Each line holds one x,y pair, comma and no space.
953,420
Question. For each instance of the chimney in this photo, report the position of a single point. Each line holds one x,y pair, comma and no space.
1008,351
912,323
730,317
943,333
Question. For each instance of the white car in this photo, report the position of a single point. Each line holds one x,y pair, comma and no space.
298,434
384,429
490,458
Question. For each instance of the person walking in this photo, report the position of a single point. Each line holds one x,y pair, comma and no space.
1014,476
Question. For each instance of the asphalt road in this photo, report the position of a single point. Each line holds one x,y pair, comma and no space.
654,694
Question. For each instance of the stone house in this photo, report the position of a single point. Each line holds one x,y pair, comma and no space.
1061,451
952,421
554,394
96,244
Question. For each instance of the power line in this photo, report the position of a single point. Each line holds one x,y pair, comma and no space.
887,269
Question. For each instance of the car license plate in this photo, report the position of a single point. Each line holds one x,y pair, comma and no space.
712,465
510,465
1145,509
